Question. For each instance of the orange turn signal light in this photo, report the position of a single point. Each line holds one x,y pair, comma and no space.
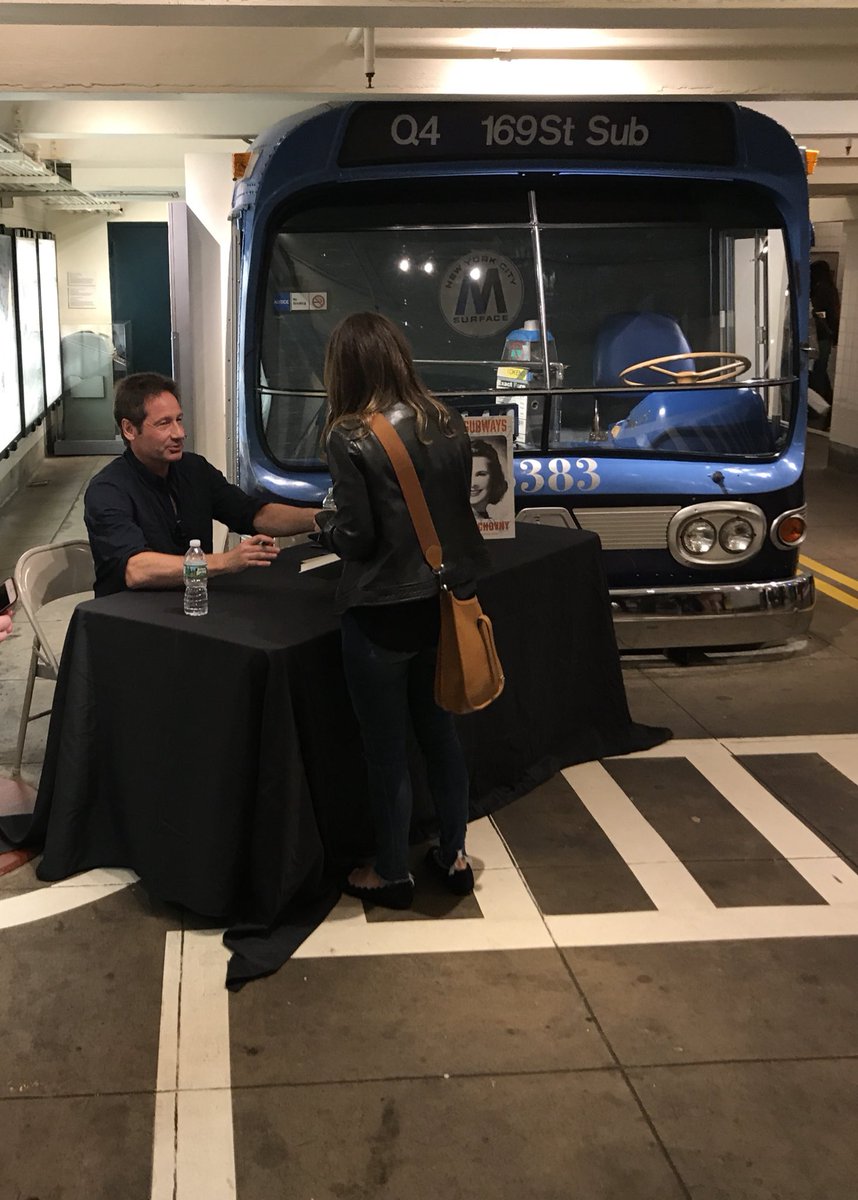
791,530
810,157
239,164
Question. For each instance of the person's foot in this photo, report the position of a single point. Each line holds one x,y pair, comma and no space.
457,878
366,884
366,877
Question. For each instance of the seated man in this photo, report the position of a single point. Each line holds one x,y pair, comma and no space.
142,509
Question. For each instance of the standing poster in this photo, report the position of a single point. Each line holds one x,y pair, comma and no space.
29,325
492,478
49,299
10,382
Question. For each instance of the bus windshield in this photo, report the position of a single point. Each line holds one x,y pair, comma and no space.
662,305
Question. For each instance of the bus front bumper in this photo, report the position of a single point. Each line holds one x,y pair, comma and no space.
713,615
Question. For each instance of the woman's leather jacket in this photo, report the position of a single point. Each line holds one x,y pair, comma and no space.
371,529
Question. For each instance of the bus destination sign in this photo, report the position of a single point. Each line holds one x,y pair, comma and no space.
651,132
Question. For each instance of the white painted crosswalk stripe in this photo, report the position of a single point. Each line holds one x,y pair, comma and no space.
193,1152
658,870
684,912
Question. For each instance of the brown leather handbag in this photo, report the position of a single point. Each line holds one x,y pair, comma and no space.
468,672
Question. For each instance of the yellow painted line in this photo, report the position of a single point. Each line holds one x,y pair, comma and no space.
836,593
829,572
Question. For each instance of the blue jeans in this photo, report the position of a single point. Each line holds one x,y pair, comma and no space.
385,686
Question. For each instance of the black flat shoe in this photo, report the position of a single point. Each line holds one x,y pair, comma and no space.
460,883
389,895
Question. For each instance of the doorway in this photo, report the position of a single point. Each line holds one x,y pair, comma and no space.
140,295
140,340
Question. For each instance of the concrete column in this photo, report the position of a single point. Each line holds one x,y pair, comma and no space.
208,188
843,446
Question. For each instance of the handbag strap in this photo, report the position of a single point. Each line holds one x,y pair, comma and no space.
415,500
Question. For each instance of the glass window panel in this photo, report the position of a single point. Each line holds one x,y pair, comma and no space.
50,306
10,385
30,326
455,292
621,295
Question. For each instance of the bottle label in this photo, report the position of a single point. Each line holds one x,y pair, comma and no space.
195,573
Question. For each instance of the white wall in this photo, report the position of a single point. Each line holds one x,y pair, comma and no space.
22,463
82,250
208,192
26,214
828,235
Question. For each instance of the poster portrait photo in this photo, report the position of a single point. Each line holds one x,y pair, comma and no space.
492,488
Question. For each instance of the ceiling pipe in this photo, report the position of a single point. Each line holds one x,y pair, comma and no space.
364,36
369,55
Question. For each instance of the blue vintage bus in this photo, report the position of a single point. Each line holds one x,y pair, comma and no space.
629,279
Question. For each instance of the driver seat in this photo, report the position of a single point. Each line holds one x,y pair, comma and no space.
668,417
630,337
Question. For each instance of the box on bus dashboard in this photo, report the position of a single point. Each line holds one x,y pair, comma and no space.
631,276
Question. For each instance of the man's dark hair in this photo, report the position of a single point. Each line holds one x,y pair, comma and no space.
133,391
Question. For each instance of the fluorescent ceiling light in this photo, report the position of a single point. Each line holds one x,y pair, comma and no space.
507,41
547,77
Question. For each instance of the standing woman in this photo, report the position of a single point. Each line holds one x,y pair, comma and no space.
388,595
825,303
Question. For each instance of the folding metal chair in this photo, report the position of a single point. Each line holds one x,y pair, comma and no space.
43,574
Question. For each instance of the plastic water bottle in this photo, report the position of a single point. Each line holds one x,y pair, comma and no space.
196,581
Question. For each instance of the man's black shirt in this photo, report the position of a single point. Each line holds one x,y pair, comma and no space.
128,509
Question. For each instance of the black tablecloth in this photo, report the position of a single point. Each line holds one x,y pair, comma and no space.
219,758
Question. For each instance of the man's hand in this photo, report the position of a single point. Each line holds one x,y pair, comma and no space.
5,626
256,551
151,570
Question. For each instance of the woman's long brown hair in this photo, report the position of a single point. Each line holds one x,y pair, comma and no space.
368,369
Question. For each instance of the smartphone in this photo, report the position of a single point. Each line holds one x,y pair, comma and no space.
8,596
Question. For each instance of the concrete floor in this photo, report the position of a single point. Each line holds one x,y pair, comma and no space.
652,994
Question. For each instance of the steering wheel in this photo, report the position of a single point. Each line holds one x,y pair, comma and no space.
729,366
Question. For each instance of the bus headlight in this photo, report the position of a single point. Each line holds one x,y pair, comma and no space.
697,536
716,533
736,535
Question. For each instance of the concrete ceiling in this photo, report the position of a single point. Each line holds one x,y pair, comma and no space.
124,90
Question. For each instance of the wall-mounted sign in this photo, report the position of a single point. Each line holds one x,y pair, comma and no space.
81,289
